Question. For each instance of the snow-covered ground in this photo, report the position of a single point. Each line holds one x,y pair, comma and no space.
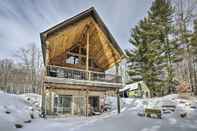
20,108
15,109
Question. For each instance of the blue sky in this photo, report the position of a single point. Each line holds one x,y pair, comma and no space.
21,21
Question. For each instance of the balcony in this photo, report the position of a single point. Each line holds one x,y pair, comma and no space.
82,75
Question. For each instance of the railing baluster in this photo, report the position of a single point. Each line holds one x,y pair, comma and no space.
78,74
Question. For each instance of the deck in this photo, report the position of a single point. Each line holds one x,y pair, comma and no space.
71,76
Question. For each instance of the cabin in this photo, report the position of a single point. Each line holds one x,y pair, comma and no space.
77,54
137,89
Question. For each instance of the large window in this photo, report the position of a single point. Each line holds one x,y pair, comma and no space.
62,104
77,55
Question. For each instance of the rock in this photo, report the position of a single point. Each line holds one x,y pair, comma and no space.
18,125
27,121
28,99
183,115
193,107
7,112
32,116
140,114
167,111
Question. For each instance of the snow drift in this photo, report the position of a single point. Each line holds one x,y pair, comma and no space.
17,110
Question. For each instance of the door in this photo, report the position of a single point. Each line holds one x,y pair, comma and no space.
94,103
79,105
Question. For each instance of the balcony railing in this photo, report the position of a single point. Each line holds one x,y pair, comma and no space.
78,74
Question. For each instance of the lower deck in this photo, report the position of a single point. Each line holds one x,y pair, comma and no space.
75,100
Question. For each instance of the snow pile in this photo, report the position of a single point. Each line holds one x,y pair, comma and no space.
33,99
15,110
112,103
167,104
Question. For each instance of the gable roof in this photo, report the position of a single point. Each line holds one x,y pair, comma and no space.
89,12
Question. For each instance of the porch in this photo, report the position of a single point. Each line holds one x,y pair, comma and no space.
64,99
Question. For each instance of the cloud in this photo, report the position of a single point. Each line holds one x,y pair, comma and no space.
21,21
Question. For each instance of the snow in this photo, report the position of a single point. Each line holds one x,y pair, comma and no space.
14,109
33,99
132,86
20,106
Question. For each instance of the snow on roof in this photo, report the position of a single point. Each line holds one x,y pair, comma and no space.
132,86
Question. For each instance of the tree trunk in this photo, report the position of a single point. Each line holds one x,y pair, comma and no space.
195,77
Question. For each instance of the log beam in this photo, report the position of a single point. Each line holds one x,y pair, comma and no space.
87,55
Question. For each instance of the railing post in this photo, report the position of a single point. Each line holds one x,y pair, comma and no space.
89,75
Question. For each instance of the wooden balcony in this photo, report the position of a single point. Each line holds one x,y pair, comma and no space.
57,74
77,74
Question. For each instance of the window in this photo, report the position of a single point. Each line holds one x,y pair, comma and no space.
62,104
77,55
71,59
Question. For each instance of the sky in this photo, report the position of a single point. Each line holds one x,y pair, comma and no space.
21,21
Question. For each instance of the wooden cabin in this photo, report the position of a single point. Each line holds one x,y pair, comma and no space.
77,53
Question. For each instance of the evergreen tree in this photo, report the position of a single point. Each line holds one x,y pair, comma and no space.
143,59
161,15
154,51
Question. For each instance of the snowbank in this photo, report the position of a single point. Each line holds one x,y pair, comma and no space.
15,109
169,101
32,99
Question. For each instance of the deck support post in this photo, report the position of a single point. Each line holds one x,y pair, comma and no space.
87,67
87,54
118,96
43,107
43,89
86,111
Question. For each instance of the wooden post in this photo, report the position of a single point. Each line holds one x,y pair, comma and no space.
43,99
43,90
87,54
43,93
118,96
86,112
87,67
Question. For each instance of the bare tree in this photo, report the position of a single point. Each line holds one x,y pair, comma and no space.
6,66
185,14
30,58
